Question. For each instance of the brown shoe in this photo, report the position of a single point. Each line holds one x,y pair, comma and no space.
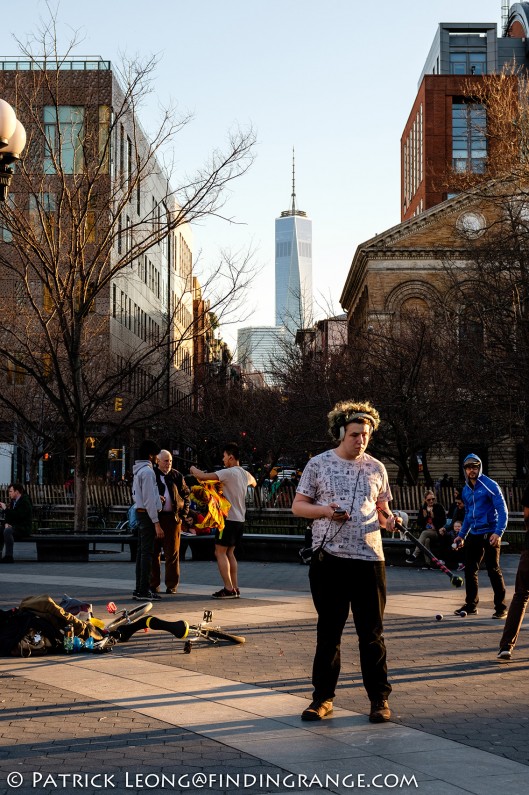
380,711
317,710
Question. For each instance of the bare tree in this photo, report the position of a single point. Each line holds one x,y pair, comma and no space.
70,239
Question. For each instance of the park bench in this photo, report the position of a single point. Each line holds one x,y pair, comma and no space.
276,547
57,545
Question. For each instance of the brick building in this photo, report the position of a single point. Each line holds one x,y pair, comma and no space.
404,267
103,219
445,133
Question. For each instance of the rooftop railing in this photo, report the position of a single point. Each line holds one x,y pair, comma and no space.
80,63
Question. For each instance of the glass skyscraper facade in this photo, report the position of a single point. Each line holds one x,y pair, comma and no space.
258,349
293,269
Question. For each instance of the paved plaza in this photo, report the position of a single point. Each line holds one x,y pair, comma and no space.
225,719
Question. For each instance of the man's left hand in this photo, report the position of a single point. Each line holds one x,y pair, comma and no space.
495,540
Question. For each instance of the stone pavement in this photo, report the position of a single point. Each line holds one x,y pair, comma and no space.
225,718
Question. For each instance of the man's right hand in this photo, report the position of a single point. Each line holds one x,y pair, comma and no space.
458,542
158,530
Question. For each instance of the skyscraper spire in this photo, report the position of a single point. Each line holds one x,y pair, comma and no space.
293,210
293,183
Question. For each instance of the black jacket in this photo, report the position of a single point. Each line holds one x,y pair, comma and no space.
177,488
438,518
20,517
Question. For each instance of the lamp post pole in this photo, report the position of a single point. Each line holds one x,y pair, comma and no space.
12,142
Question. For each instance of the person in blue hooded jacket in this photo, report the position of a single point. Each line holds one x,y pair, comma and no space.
483,526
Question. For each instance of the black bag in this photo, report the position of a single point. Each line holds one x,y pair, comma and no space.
23,634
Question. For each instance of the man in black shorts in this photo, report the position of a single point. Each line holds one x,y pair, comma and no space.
235,481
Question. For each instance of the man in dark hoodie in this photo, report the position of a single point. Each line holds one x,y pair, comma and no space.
483,526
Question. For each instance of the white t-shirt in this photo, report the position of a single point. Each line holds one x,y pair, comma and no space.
356,486
235,482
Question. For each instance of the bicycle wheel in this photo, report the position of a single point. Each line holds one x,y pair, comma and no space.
129,616
218,634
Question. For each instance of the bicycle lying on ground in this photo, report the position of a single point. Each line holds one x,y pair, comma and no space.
124,625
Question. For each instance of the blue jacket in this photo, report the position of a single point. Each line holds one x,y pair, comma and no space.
485,508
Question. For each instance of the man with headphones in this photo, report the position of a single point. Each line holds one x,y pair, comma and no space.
345,492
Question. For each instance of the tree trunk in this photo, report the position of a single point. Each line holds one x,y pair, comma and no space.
426,472
80,486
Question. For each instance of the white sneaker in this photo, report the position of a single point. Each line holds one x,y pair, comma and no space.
504,654
461,567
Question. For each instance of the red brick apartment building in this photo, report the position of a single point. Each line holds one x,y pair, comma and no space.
446,129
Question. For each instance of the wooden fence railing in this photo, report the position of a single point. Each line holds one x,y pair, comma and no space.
100,495
407,498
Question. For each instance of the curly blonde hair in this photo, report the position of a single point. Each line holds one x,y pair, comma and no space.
347,411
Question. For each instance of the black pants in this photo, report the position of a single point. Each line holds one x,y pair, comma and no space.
518,604
477,547
338,585
145,553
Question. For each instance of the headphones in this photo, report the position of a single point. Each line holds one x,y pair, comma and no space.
338,427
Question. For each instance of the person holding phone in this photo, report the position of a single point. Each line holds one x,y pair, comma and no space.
341,491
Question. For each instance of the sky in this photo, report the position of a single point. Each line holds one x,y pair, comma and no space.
334,79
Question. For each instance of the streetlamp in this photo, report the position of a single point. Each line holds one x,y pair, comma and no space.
12,142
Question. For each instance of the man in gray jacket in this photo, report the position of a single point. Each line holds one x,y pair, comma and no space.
148,503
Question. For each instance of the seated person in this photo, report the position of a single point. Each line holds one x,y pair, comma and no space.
457,556
431,523
18,518
456,512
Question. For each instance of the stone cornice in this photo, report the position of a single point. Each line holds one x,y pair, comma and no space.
418,253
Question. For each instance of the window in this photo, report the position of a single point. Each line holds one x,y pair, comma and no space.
129,164
47,301
469,137
121,150
284,249
468,63
16,374
90,221
42,213
128,236
186,260
64,131
105,116
5,232
471,335
413,158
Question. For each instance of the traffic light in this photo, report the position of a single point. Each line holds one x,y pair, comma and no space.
46,456
118,404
